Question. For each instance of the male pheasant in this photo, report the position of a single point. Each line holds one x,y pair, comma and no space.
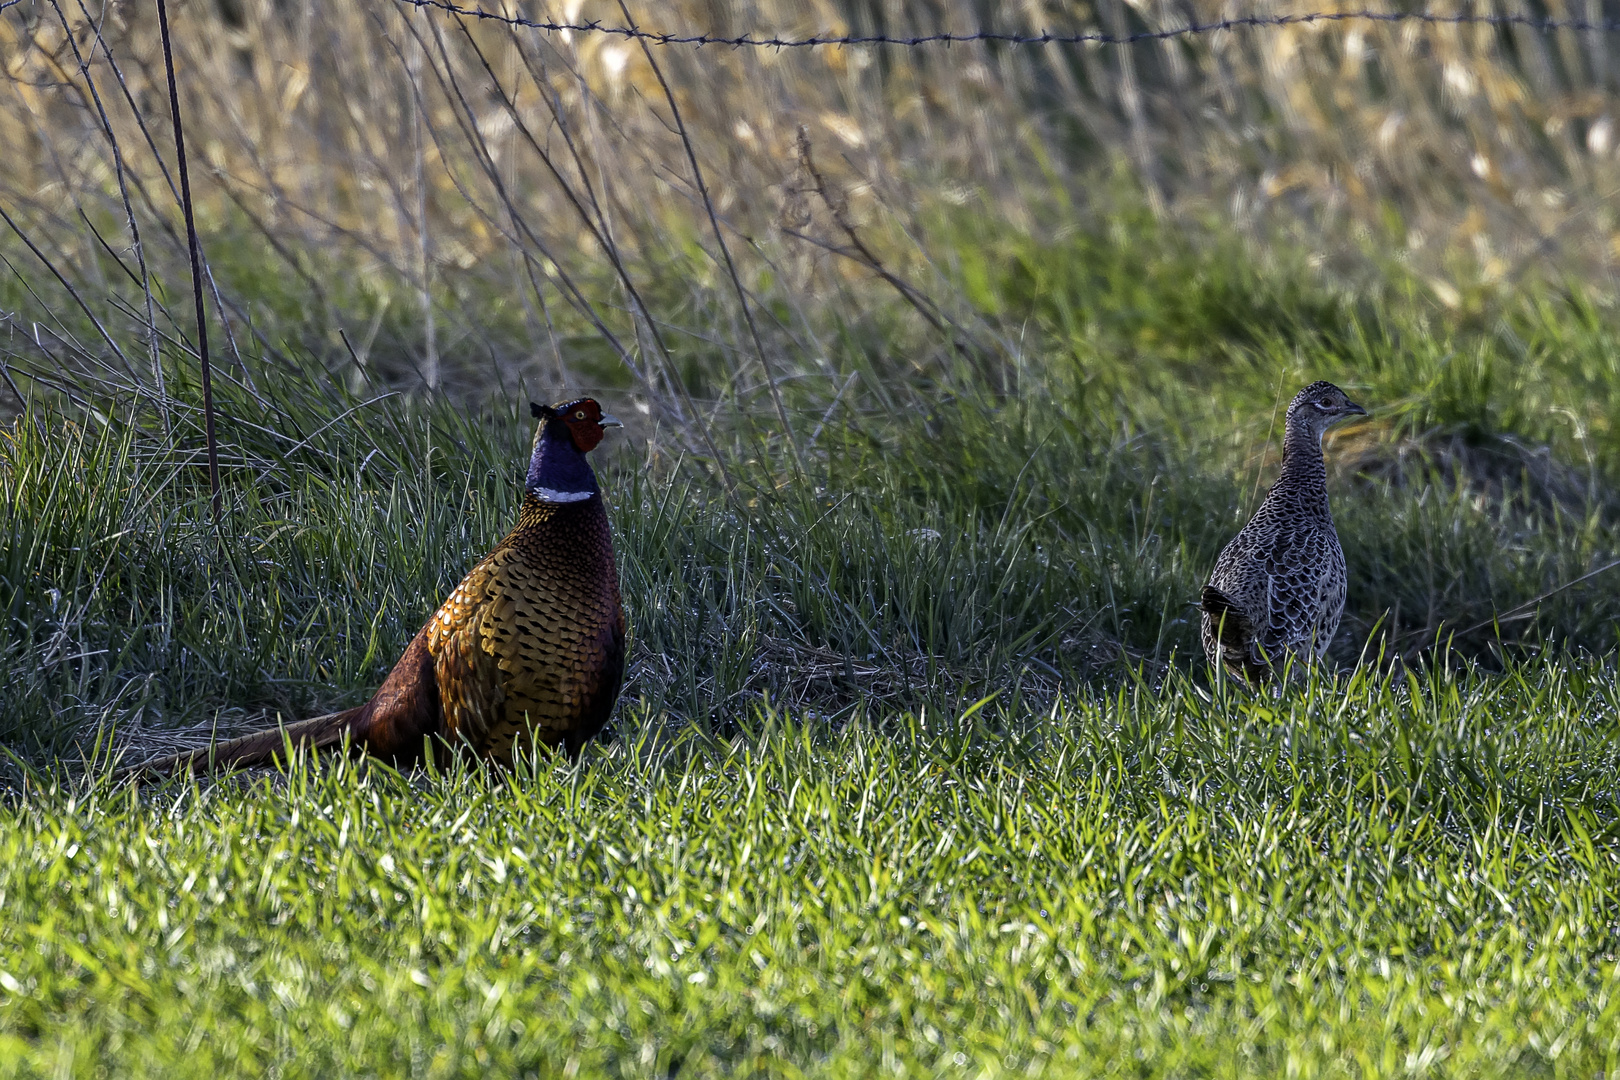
529,645
1278,588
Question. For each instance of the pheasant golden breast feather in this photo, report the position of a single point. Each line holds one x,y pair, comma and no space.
530,645
1278,589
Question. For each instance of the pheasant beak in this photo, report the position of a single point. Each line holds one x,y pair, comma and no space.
1354,409
609,420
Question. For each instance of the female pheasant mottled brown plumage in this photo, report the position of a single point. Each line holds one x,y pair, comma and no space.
529,645
1278,588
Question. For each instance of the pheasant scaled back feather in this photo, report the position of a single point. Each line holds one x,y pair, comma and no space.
532,640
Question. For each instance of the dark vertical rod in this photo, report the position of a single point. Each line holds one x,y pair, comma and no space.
196,263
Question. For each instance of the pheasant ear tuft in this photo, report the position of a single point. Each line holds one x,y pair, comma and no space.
539,411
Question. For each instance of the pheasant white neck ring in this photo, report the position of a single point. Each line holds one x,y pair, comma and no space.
552,495
558,471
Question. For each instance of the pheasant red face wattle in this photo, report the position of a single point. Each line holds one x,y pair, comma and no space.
585,421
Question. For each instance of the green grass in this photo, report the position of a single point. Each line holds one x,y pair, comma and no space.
1385,877
793,855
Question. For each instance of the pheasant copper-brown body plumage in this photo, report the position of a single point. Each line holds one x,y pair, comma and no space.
532,640
530,645
1278,589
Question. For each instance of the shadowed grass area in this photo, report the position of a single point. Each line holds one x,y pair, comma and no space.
969,521
1379,876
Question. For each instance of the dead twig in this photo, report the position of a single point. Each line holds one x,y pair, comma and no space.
195,247
121,172
725,250
594,225
1526,610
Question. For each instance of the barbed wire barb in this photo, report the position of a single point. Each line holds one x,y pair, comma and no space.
1045,37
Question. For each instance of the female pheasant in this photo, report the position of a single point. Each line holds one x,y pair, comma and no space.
529,645
1279,586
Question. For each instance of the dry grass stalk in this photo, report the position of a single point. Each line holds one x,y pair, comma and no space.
408,153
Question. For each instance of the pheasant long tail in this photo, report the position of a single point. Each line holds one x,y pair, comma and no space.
259,748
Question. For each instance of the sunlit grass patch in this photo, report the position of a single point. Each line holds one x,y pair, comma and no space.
1385,875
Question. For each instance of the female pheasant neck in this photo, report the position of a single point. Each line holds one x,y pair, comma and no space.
1304,473
558,471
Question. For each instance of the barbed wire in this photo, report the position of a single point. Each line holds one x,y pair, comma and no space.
1532,22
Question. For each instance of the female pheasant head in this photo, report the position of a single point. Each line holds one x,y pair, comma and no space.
558,471
1315,408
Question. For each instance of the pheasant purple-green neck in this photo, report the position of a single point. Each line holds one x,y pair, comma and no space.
558,470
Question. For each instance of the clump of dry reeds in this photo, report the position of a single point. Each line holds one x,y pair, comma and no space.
507,193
